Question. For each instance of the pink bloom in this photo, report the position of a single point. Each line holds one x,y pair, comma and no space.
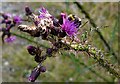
68,26
17,19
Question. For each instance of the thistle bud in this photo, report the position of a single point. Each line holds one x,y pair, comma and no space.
34,74
55,22
49,51
5,16
39,59
42,69
31,50
28,10
7,21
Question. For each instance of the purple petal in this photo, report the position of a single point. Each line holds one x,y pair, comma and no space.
43,10
69,27
44,13
41,16
10,39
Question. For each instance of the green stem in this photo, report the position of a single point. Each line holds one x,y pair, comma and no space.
28,38
98,56
93,52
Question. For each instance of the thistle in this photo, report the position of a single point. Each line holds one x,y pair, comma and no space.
57,31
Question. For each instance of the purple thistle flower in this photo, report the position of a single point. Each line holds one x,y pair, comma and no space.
17,20
69,27
10,39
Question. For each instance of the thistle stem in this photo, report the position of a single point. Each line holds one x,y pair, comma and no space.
98,56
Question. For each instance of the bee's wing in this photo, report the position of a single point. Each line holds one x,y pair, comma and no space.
32,30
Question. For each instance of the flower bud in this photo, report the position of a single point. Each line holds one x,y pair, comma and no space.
31,50
34,74
5,16
49,51
7,21
55,22
39,59
28,10
42,69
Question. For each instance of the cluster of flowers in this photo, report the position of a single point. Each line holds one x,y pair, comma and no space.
60,32
46,26
9,23
50,29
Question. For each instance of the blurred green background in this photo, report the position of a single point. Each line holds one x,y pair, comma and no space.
66,66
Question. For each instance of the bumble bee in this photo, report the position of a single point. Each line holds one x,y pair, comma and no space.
76,20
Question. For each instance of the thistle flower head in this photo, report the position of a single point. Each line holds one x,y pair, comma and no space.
68,26
17,19
10,39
